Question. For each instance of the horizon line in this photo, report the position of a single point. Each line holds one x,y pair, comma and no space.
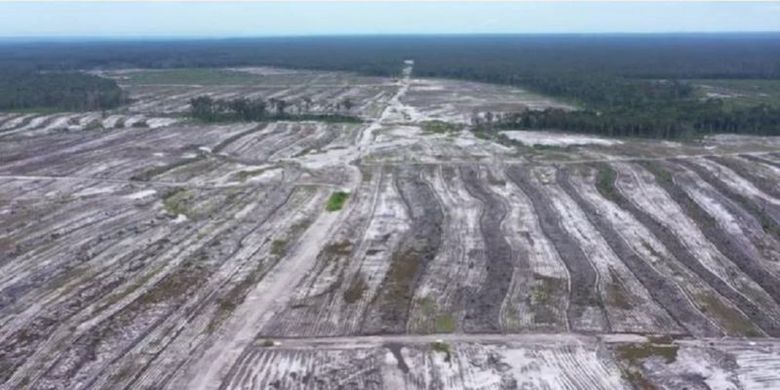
371,35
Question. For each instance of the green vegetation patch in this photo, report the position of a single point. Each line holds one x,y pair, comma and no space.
442,347
617,294
739,93
337,200
193,272
278,247
356,289
267,343
445,323
734,322
242,176
440,127
542,295
634,353
200,76
605,183
50,92
178,202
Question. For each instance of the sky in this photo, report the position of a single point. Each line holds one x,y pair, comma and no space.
244,19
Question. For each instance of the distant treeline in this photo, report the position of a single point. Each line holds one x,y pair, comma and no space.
496,58
614,78
637,108
70,91
677,119
209,109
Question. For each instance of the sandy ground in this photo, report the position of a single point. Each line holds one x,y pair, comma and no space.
140,250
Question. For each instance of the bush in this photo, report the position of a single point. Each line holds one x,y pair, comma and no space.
337,200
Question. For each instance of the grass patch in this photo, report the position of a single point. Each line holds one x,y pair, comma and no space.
242,176
178,202
661,175
337,200
634,353
227,303
35,110
542,295
617,294
356,289
442,347
731,319
189,275
739,93
440,127
267,343
278,247
605,183
200,76
445,323
336,249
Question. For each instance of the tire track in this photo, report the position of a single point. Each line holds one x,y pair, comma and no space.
411,259
583,279
661,289
685,256
483,307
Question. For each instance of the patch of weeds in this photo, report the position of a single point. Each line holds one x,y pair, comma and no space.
355,290
337,200
545,288
278,247
634,353
178,202
542,295
115,298
442,347
336,249
267,343
493,180
242,176
367,176
637,379
428,306
617,295
402,272
662,175
731,319
483,135
93,125
440,127
123,374
605,183
189,275
445,323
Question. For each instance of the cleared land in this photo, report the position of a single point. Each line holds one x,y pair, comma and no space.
166,253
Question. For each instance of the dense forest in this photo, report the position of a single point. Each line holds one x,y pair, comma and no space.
71,91
492,58
208,109
636,108
626,84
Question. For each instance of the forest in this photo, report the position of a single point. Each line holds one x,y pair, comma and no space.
66,91
208,109
626,84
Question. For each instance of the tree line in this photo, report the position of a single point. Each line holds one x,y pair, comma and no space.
618,107
683,121
208,109
624,84
69,91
